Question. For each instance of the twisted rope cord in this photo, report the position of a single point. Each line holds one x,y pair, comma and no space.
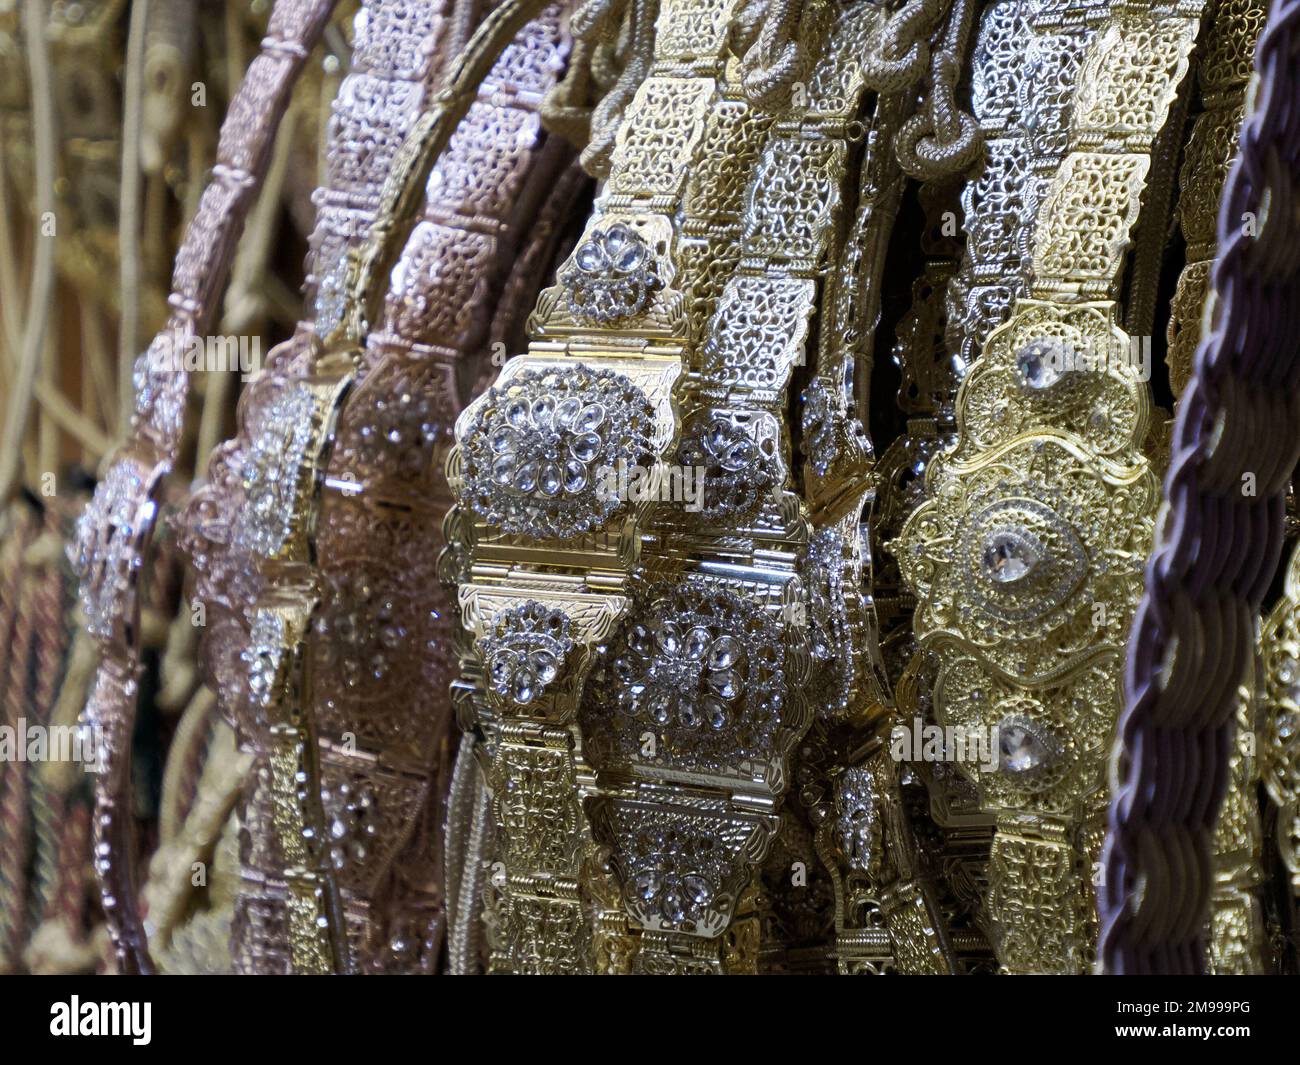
941,140
1235,444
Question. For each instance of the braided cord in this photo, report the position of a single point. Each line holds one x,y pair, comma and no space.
1236,441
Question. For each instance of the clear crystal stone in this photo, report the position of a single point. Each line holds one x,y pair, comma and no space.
1021,749
590,256
584,447
550,479
1040,364
542,410
503,469
590,417
575,476
697,889
545,664
566,411
697,642
526,477
504,440
517,413
724,653
1007,558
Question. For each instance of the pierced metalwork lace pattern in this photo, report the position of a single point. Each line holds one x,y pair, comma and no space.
1025,556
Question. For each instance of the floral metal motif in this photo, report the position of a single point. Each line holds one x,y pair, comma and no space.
701,667
540,446
614,274
738,472
526,651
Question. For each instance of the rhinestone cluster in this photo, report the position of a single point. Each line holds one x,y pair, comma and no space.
538,447
738,472
526,651
614,274
104,551
270,471
702,668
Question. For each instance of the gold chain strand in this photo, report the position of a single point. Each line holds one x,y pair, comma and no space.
1026,555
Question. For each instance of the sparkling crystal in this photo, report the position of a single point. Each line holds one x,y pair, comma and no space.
725,683
504,441
647,884
667,637
697,643
1021,749
566,411
550,480
526,477
585,447
524,685
697,889
673,907
517,413
543,409
503,469
1040,364
724,653
589,418
545,665
575,476
1007,557
590,256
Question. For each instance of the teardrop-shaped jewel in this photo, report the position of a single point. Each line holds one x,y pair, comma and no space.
725,683
566,410
639,640
589,418
667,637
503,469
550,480
659,706
575,476
697,643
524,685
1022,748
724,653
502,666
739,456
672,907
545,665
517,413
504,440
690,715
697,889
543,410
716,714
627,254
526,477
584,447
647,884
590,256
